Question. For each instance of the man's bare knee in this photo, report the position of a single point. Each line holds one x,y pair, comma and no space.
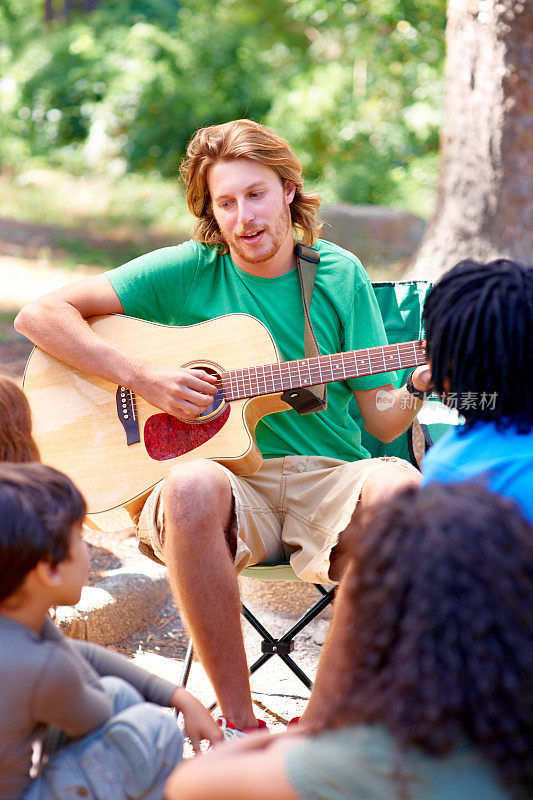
194,494
391,477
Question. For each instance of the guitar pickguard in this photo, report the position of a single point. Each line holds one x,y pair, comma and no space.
167,437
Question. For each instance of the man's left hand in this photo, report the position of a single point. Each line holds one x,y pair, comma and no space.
422,378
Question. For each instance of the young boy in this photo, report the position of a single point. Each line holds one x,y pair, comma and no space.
76,720
479,330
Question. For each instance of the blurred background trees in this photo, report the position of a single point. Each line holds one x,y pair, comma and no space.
119,86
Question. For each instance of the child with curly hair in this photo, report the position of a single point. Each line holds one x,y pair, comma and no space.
423,690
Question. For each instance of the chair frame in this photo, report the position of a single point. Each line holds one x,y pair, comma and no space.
270,646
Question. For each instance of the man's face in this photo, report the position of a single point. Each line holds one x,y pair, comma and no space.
251,207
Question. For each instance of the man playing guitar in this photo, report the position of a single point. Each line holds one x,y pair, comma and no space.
244,186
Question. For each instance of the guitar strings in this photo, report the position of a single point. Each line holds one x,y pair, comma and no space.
244,392
237,383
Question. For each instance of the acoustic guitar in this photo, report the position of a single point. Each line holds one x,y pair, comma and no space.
115,445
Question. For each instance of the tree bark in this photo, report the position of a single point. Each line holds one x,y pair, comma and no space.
485,193
48,11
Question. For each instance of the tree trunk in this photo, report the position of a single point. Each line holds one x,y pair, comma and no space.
48,11
485,193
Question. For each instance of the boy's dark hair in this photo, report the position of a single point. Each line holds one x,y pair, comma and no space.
479,330
38,507
437,627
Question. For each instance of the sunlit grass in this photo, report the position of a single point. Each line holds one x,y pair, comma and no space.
94,219
101,221
136,204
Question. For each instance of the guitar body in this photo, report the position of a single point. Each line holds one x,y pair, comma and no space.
82,424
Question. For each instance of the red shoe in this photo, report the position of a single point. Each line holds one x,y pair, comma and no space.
231,733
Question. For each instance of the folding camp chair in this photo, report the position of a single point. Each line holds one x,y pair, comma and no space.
270,645
401,304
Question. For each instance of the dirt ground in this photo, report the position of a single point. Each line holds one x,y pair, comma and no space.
25,274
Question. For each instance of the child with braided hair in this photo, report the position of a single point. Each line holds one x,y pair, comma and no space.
479,329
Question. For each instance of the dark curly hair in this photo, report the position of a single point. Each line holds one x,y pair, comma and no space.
38,508
434,628
479,330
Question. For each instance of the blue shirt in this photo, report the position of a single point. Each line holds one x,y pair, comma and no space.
502,461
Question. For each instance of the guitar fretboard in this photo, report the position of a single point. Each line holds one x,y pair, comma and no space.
247,382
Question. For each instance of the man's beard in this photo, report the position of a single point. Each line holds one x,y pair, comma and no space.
276,233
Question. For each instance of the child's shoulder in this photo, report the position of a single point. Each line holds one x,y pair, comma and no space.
26,650
24,657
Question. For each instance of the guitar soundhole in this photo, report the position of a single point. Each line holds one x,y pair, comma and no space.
218,404
167,437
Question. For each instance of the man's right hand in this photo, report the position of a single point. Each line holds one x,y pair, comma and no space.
184,393
57,324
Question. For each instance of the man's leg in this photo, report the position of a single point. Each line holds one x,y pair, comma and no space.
197,502
381,484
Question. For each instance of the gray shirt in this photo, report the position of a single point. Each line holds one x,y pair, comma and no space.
47,679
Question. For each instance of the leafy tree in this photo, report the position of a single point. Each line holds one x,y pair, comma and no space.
368,107
355,86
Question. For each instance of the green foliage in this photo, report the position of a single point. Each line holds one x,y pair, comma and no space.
19,20
355,86
93,219
369,106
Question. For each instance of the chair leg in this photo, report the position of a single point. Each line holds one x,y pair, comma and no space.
187,669
284,645
274,647
187,664
312,612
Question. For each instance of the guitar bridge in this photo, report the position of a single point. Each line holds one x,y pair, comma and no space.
127,414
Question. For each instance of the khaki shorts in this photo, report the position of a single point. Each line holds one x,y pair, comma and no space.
292,510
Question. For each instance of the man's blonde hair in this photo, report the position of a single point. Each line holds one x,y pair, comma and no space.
243,138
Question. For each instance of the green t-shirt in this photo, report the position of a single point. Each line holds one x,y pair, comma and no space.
362,762
191,283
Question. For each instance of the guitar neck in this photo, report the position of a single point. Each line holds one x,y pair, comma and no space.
266,379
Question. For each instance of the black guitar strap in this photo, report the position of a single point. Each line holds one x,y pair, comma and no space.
306,400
